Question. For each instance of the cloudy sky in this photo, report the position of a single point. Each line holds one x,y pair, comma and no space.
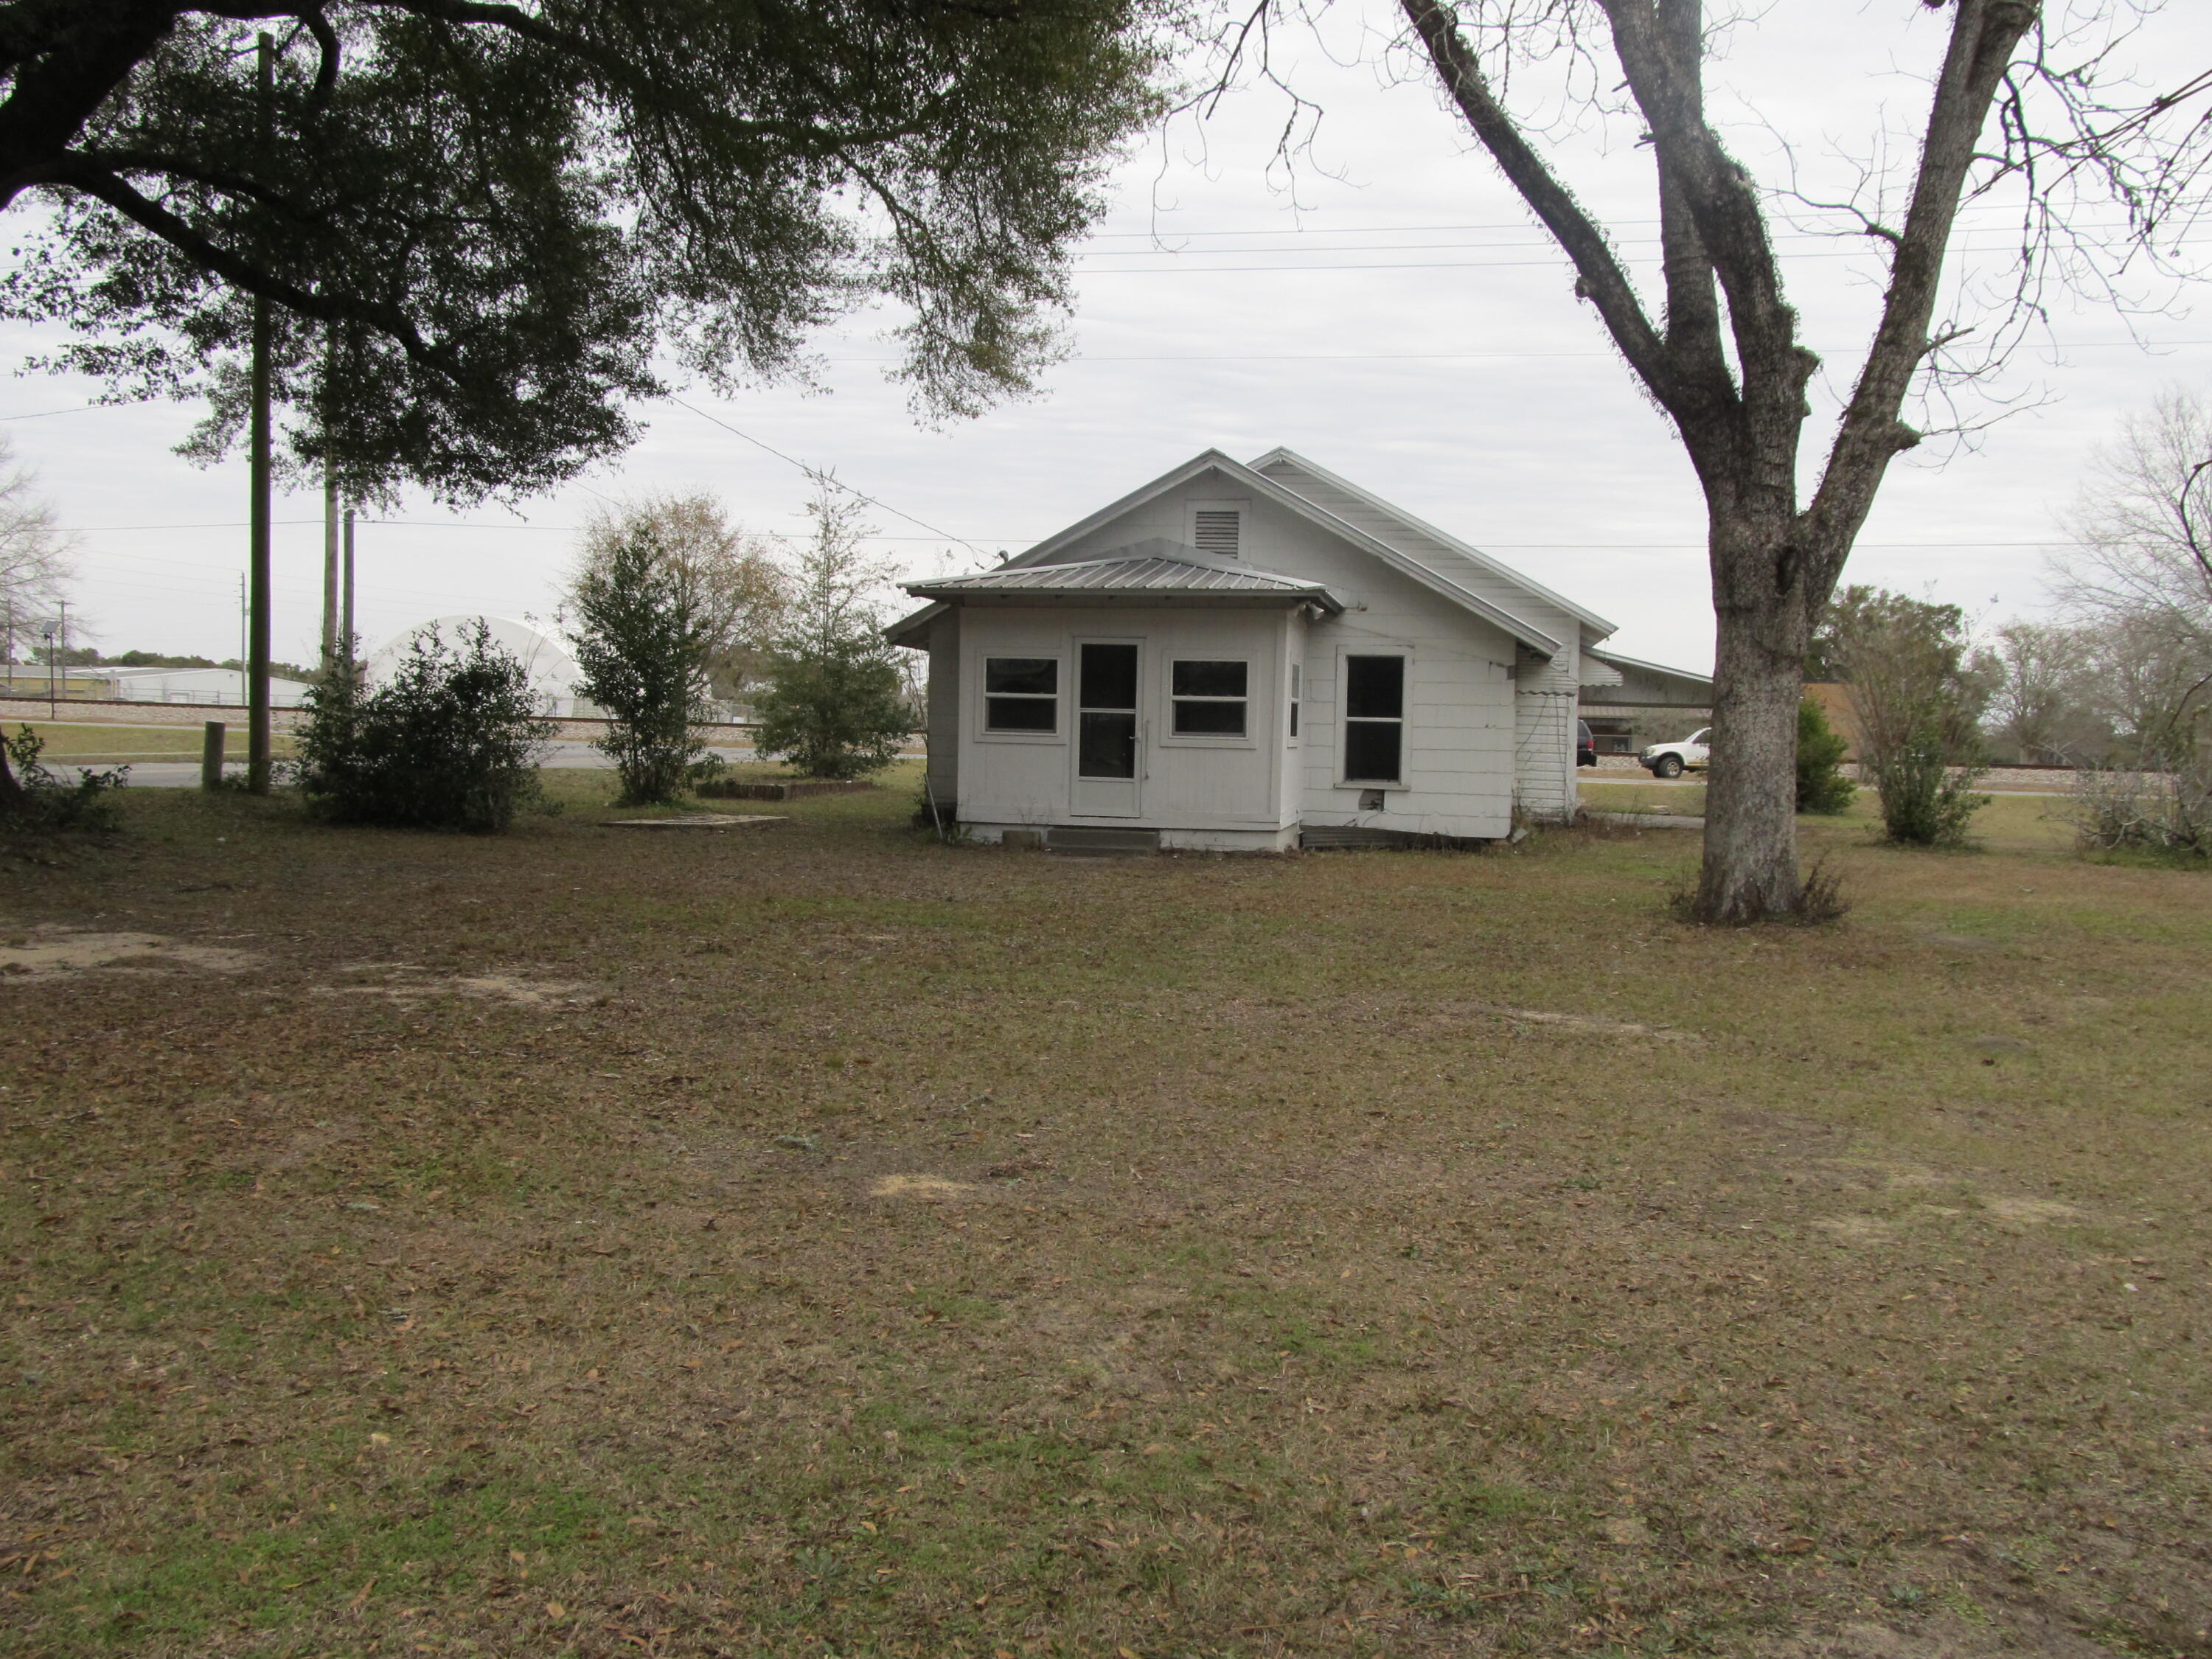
1388,310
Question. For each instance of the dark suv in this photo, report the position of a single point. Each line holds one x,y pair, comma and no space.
1585,744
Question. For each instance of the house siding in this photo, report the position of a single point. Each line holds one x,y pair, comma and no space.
1545,694
1491,722
944,723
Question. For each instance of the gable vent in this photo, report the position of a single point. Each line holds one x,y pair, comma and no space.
1215,530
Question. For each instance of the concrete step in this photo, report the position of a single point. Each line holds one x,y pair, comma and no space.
1069,839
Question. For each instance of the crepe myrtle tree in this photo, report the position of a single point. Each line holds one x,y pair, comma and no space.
2025,108
485,229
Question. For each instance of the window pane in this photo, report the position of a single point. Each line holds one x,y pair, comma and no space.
1294,719
1210,719
1109,677
1375,687
1371,750
1034,674
1020,714
1209,679
1107,747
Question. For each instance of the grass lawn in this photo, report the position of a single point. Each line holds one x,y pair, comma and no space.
812,1240
87,741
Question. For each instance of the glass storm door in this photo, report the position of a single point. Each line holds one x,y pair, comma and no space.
1106,732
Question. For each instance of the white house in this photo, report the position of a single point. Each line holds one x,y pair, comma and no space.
1251,658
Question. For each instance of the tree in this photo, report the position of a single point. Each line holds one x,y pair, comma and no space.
740,589
1918,692
645,626
2142,576
38,563
835,705
2012,116
38,559
2144,681
2037,691
1822,784
486,227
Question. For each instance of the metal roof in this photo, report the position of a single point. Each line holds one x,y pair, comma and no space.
1156,565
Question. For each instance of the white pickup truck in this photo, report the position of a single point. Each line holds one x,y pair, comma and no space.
1671,760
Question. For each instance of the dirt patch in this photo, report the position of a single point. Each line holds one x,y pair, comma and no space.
54,952
1973,942
1858,1229
920,1186
2031,1211
1587,1024
487,988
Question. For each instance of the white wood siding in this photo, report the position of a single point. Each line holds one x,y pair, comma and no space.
1489,723
1460,705
1185,783
944,709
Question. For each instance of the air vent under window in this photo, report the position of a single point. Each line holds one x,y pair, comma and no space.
1215,530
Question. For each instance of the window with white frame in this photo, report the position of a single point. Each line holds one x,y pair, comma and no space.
1297,693
1209,696
1374,719
1021,694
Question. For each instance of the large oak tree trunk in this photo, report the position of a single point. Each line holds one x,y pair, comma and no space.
1750,869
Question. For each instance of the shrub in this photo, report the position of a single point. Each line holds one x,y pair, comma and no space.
1822,784
451,742
32,798
834,711
643,640
835,705
1927,800
2169,813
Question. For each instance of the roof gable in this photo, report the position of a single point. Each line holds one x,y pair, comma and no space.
1473,556
1538,639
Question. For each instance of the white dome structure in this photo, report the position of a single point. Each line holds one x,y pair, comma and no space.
553,672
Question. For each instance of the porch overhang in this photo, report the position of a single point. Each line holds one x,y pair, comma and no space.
1155,572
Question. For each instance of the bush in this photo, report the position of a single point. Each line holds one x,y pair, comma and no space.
32,798
834,711
1822,784
1926,799
2168,813
453,741
643,639
833,705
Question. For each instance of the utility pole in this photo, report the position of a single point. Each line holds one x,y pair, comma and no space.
257,653
330,647
345,609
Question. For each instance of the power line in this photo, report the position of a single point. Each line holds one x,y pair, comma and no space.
1554,263
817,474
1534,241
1965,210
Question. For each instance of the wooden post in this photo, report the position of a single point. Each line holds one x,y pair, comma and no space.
345,602
330,649
211,737
257,648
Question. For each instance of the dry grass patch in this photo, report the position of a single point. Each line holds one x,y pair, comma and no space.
868,1246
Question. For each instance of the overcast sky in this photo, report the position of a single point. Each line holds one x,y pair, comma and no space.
1393,315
